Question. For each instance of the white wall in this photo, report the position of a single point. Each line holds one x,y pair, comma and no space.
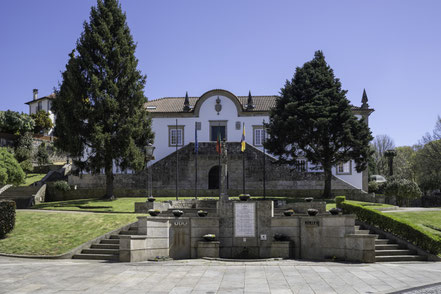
207,113
228,113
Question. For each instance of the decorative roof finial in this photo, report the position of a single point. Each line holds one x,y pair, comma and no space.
364,100
250,103
186,102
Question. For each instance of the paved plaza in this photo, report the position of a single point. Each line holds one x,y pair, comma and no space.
204,276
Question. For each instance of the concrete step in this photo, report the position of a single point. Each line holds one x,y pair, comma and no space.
362,232
96,256
110,241
100,251
133,232
386,247
381,241
114,237
390,258
394,252
105,246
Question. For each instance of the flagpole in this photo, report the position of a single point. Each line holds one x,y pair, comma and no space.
196,160
219,158
264,169
177,170
243,159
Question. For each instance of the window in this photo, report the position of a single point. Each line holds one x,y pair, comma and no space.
218,127
344,168
175,136
259,135
40,106
49,105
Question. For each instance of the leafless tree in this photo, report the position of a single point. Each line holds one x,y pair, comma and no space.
381,143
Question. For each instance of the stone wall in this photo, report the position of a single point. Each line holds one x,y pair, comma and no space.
280,180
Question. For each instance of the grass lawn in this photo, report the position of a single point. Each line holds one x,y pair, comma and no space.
52,233
370,204
32,178
429,221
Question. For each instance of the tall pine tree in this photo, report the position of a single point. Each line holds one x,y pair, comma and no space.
313,118
100,114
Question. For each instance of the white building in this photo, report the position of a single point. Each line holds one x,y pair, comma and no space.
43,103
174,120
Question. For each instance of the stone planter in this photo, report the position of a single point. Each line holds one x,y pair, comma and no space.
209,237
154,212
177,213
335,211
202,213
288,212
151,199
312,212
244,197
309,199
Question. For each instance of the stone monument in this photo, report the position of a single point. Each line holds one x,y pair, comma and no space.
224,172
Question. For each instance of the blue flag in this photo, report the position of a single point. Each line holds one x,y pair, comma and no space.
196,146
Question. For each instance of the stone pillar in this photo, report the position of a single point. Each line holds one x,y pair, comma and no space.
224,172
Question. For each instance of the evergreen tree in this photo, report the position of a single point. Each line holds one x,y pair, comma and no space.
313,118
100,114
42,154
23,152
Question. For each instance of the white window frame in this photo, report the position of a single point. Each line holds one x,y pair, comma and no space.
259,135
344,168
175,134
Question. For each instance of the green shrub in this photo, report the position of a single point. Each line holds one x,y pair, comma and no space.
62,186
404,190
339,200
373,187
7,217
10,170
400,228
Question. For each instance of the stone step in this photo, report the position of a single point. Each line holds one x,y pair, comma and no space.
110,241
382,241
114,237
96,256
105,246
389,258
386,246
394,252
357,228
100,251
134,232
362,232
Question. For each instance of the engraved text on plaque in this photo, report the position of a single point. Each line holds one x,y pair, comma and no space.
244,219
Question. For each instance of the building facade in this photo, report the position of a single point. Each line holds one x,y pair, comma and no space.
177,121
43,103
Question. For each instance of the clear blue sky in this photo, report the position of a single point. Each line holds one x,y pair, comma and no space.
391,48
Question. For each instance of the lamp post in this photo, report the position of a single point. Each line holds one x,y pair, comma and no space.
148,149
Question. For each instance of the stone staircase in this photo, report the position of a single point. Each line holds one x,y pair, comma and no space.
388,251
23,196
108,248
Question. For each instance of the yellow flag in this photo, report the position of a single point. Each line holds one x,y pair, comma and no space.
242,142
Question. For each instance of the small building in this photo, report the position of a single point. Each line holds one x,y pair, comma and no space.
43,103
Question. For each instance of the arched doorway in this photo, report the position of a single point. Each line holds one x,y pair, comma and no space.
213,177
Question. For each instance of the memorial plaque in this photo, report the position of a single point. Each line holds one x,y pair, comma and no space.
244,219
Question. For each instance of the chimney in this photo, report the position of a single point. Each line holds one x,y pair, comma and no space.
35,92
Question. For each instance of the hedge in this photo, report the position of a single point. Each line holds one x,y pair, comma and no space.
7,217
339,200
399,228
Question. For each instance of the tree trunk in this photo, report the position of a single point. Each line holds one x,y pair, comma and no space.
109,182
327,194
